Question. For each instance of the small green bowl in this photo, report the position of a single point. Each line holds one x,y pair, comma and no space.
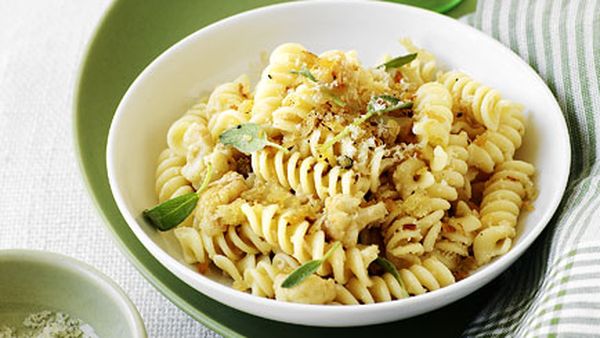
33,281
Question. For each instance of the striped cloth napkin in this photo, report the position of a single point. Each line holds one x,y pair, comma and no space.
554,290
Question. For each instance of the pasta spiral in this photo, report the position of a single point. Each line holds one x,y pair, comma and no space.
411,175
427,276
505,192
188,130
421,70
304,244
364,157
457,167
382,289
503,198
315,139
433,119
230,96
220,122
429,211
416,231
256,274
294,109
276,79
450,173
190,136
228,106
457,235
263,276
308,175
403,239
281,232
491,242
461,123
234,243
169,181
456,171
494,147
481,102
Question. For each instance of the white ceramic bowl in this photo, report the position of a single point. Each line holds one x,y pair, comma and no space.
221,51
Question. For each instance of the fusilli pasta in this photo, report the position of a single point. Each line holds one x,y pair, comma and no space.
481,102
276,78
308,175
361,170
169,181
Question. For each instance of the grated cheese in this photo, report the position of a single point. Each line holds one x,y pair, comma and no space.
47,324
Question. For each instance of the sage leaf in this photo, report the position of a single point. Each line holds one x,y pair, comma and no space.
376,106
329,252
306,73
169,214
207,179
387,266
391,268
301,273
338,101
398,62
247,138
307,269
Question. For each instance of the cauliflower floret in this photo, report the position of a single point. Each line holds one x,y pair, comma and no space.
265,192
312,290
369,253
230,214
221,157
224,191
345,218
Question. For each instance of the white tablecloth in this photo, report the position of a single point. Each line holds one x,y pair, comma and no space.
43,202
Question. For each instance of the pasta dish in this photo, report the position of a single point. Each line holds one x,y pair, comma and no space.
334,183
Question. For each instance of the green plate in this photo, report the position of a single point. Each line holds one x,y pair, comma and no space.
131,35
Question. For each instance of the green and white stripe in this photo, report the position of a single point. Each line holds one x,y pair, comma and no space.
554,290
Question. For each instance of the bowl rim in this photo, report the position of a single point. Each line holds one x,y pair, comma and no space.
450,292
88,273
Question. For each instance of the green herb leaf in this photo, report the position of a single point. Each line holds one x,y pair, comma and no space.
247,138
376,106
332,96
207,178
387,266
169,214
307,269
398,61
306,73
338,101
391,268
301,273
329,252
381,102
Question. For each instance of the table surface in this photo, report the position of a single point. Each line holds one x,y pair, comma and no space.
44,204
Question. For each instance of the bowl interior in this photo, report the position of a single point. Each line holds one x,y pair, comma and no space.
221,52
34,281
